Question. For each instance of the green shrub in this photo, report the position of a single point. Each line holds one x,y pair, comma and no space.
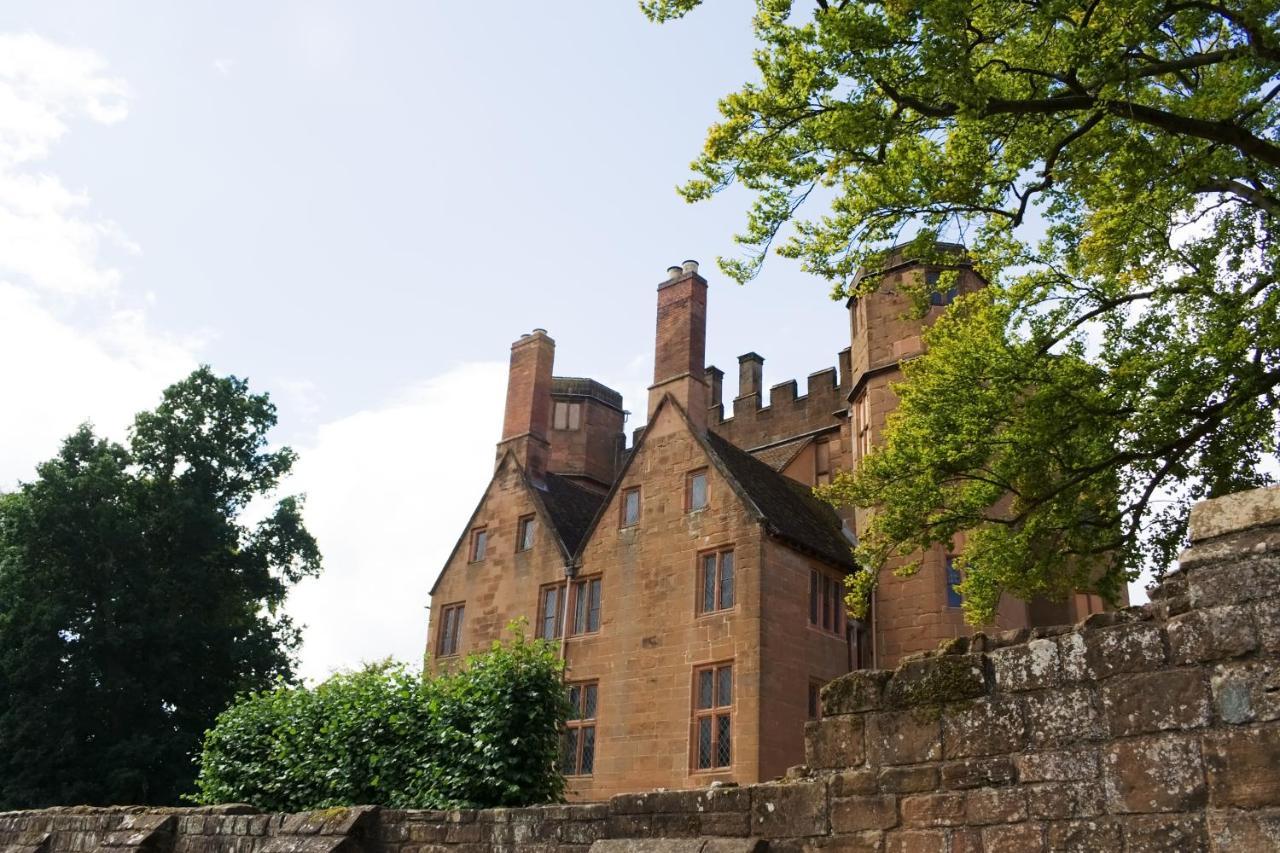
485,736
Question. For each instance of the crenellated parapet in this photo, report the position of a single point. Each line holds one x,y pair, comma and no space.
752,423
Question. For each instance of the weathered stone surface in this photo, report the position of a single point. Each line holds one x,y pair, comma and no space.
857,814
1152,833
916,841
1060,765
858,691
1233,513
782,810
834,742
1154,774
911,779
1204,635
903,737
853,783
1028,666
944,809
1065,800
984,727
1083,836
1133,647
1156,701
1230,830
976,772
1062,717
1246,692
936,680
1015,838
995,805
684,845
1241,766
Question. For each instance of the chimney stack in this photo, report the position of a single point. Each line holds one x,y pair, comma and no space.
528,415
750,377
679,363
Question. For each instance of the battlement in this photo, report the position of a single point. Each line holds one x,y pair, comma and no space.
788,413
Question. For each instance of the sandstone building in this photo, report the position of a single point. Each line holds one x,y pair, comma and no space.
692,581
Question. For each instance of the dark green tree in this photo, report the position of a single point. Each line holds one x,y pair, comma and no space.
1113,169
136,601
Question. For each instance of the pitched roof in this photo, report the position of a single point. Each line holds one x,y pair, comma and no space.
779,456
789,509
571,508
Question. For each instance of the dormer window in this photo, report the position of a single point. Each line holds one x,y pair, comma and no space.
567,416
696,490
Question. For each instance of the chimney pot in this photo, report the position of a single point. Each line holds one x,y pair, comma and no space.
674,272
690,266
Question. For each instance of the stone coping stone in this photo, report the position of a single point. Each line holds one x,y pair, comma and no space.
1234,513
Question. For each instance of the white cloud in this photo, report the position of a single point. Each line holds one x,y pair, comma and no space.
224,65
109,363
388,492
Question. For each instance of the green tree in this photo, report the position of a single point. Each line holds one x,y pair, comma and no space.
487,735
136,602
1112,170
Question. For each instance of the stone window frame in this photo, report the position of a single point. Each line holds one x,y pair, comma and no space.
478,547
526,530
822,446
862,424
705,473
579,586
953,597
572,416
622,507
585,722
546,593
450,646
716,712
826,613
717,593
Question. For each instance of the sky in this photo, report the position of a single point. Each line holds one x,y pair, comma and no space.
359,207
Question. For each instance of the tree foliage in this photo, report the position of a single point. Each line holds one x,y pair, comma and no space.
1112,170
135,602
485,736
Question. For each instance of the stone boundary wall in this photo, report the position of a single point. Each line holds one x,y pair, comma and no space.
1156,728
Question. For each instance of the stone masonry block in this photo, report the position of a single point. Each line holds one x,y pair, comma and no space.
903,737
945,809
1246,692
936,680
977,772
1158,833
1090,835
1266,615
1060,765
857,814
1241,766
794,809
1135,647
1231,829
1013,838
912,779
984,727
1063,717
1213,634
916,841
1163,773
1028,666
1065,800
836,742
1233,513
995,805
853,783
1156,701
854,693
1236,582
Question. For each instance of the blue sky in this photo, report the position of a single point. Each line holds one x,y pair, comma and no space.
359,207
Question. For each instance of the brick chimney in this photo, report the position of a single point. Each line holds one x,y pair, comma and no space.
528,415
679,360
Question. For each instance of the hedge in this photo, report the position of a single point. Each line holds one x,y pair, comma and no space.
487,735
